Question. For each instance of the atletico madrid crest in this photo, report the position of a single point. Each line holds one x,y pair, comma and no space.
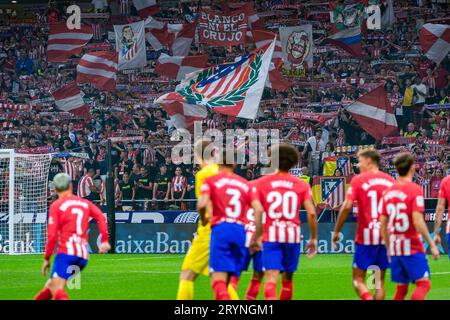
224,85
234,88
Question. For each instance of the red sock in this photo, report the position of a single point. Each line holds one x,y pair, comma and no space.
286,290
253,290
61,295
421,290
220,290
401,292
234,282
366,296
44,294
270,291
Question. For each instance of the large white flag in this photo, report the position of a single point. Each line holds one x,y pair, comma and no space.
130,44
233,88
297,44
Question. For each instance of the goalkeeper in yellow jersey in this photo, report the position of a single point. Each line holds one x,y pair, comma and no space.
196,260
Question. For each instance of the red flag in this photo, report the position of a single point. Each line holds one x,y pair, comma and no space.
264,37
98,68
181,45
160,34
146,7
69,99
63,42
178,67
276,81
374,113
435,41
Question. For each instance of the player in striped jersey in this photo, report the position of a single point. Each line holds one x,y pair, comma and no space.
366,190
402,224
68,224
444,197
280,196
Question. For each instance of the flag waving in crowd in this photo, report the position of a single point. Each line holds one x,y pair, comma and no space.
69,98
64,42
435,41
98,68
374,113
178,67
146,7
130,44
234,89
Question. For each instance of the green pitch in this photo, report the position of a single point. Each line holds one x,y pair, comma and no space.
156,277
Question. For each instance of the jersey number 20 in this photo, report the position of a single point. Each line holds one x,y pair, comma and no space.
288,202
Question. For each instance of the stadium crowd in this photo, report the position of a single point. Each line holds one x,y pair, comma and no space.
146,177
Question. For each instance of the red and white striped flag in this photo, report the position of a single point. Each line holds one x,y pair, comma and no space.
177,37
178,67
69,99
158,33
97,29
146,7
183,39
63,42
374,113
98,68
435,41
183,115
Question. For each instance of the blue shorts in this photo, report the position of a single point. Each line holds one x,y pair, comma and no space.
408,269
280,256
257,261
447,238
227,248
370,255
65,266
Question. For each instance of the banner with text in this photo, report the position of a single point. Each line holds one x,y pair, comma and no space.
223,30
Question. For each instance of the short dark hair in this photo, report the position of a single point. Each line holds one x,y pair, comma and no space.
403,163
371,154
288,156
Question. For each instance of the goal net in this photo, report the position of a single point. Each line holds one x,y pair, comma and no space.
23,202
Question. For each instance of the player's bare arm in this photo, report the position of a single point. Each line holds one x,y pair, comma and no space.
311,247
258,209
440,208
419,224
344,212
202,205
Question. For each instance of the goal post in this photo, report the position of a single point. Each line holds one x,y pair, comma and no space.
23,202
